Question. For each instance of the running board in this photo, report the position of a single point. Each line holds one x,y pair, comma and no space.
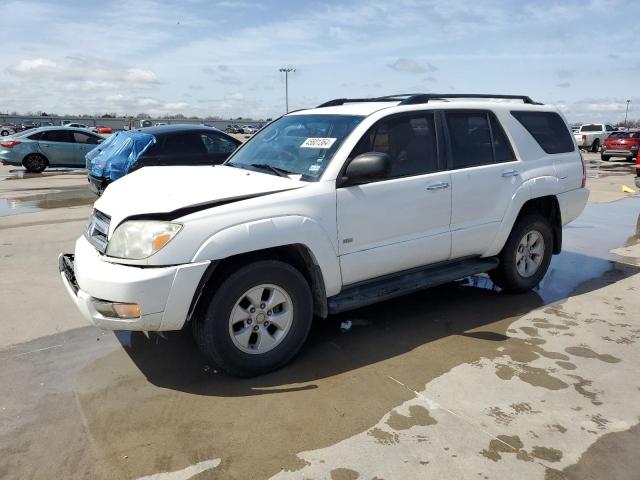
396,285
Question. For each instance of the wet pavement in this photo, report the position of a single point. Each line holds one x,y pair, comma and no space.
460,381
27,202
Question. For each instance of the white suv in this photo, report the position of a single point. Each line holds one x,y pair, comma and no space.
326,210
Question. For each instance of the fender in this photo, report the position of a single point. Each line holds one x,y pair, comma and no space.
276,232
532,188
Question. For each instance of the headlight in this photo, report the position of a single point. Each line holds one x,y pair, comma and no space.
138,239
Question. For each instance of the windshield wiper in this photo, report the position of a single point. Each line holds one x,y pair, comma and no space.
281,172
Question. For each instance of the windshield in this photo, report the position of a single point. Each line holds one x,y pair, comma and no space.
591,128
296,144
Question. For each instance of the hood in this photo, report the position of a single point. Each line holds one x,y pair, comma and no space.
178,190
114,157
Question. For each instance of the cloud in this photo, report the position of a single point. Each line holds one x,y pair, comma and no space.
565,73
36,65
405,65
140,76
563,85
613,56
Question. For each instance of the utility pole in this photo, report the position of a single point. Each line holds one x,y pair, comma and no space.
287,71
626,114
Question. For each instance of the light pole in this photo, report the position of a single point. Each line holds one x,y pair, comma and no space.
287,71
626,113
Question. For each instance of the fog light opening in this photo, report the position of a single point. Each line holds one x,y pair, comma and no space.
117,310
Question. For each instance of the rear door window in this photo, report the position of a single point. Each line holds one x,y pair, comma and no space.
81,137
57,136
216,144
548,129
182,144
476,138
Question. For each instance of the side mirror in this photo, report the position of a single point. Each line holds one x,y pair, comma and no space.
365,168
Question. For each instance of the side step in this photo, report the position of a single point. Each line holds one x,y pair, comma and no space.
396,285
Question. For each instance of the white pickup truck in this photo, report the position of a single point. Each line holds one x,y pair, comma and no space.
326,210
590,136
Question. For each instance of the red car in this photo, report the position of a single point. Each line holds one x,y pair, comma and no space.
638,170
621,144
103,130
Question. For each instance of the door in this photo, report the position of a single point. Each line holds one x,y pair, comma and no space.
85,142
218,147
400,222
484,176
58,146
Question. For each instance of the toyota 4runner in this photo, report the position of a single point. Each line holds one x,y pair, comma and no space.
326,210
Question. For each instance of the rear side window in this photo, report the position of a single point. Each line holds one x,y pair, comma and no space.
548,129
57,136
216,144
477,139
35,136
81,137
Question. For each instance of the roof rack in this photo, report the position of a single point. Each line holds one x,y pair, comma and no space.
417,98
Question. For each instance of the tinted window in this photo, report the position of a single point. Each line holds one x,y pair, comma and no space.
35,136
182,144
609,128
57,136
470,138
501,146
591,128
548,129
409,140
618,135
80,137
217,143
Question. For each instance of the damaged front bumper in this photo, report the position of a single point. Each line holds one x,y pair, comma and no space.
164,294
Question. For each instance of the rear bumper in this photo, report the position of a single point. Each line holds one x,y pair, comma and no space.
572,204
614,152
164,293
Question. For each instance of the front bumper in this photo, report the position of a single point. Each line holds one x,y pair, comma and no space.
164,294
97,185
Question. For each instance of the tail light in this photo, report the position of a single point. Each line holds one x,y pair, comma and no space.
10,143
584,172
584,137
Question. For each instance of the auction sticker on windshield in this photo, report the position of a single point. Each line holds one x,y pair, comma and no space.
318,143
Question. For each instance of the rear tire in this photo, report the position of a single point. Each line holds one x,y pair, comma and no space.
526,255
35,163
595,146
4,133
257,320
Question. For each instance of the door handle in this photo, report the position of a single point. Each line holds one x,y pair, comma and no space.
510,173
438,186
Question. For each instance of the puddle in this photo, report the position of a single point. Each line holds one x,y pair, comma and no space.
20,173
33,203
596,168
154,400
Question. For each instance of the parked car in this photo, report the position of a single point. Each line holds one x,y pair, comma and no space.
638,169
7,129
592,135
102,129
233,129
77,125
249,129
27,125
45,124
177,144
45,147
326,210
621,144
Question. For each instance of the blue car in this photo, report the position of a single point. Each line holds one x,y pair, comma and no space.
39,148
127,151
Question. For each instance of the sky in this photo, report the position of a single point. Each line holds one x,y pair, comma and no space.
221,57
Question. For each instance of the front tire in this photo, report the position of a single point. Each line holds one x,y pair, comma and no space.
526,255
257,320
35,163
605,158
4,133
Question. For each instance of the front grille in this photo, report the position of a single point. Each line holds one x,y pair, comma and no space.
98,230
